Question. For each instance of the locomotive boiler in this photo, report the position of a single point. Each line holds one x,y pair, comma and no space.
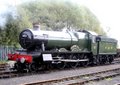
46,40
43,49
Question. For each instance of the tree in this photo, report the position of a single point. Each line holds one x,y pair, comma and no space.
10,32
23,18
58,14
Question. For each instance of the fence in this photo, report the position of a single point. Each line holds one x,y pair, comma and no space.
4,51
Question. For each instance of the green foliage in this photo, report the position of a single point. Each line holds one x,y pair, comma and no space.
10,32
56,15
23,18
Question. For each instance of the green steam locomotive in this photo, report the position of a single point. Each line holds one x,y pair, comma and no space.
68,47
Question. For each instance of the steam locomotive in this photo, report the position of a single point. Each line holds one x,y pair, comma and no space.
43,49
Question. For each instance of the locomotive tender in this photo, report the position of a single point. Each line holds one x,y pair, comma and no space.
61,48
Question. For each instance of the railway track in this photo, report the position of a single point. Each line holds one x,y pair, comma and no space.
2,67
12,73
56,74
79,79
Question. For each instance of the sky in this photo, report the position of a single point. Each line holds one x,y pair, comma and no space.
107,11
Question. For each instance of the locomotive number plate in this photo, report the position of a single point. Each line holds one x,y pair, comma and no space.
47,57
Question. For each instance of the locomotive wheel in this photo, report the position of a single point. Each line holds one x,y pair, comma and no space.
107,59
48,66
99,60
61,65
111,58
33,67
85,63
104,59
18,67
73,64
96,60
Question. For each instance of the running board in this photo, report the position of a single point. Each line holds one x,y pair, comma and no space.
69,60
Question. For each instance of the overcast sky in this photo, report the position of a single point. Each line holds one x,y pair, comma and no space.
107,11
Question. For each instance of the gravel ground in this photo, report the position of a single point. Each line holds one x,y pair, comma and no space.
54,75
108,81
